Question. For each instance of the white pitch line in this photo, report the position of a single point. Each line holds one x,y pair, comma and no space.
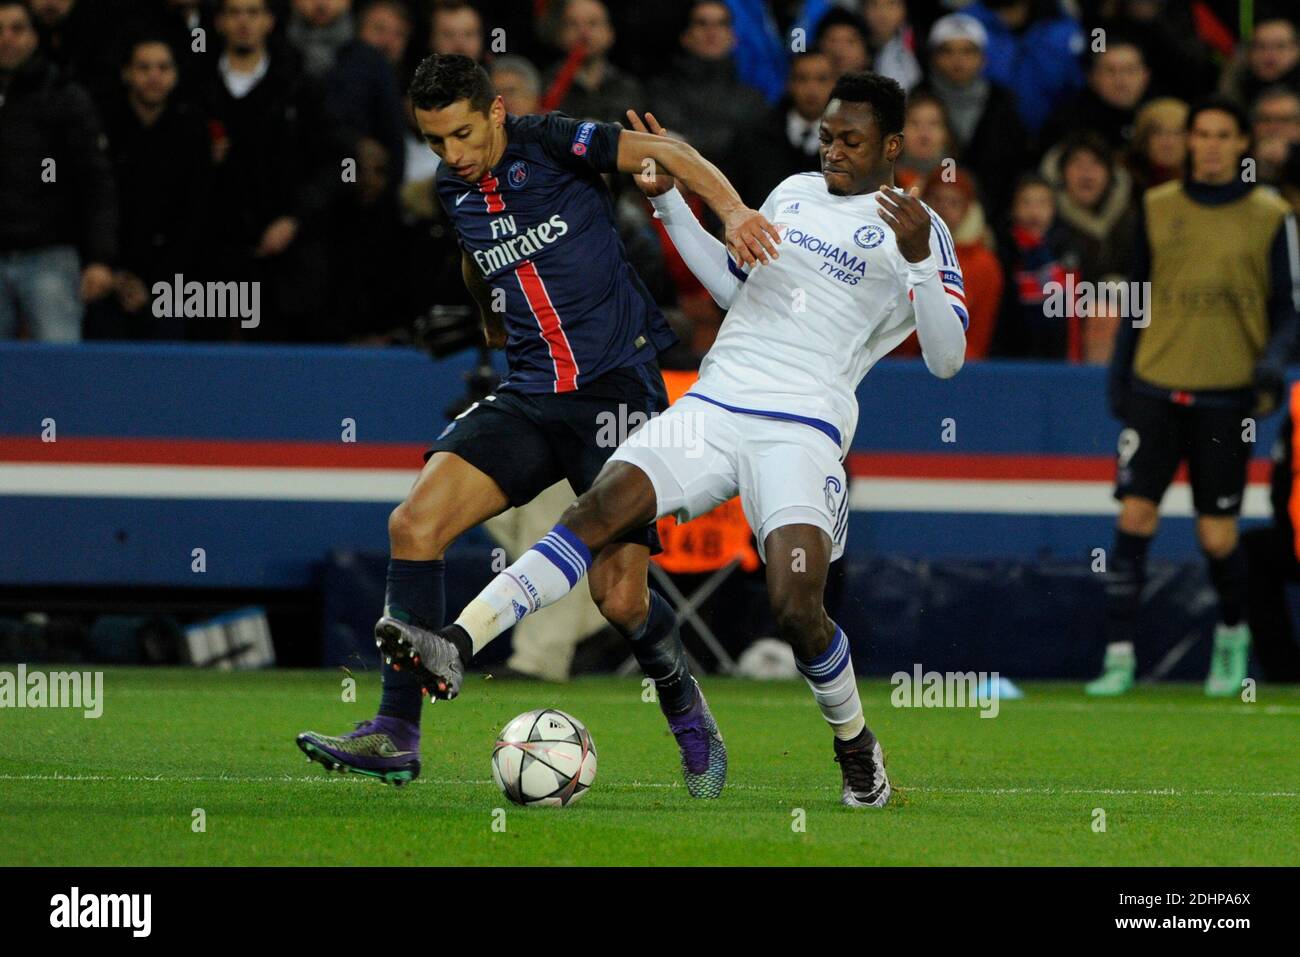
324,778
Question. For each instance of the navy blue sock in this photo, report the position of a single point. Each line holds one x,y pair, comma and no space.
657,647
414,594
1229,576
1128,572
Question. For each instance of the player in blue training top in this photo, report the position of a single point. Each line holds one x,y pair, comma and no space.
542,257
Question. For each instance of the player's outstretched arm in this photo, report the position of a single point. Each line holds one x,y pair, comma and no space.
494,327
704,256
749,234
933,278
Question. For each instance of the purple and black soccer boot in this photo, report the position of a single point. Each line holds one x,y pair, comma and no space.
704,756
382,747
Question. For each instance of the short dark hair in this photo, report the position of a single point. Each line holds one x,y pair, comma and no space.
397,6
127,51
688,14
1030,180
1216,101
442,79
839,17
22,5
1087,141
885,96
266,5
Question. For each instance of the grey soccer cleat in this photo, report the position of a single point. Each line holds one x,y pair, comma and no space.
430,656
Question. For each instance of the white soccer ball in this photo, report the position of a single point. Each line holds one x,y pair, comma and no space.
544,758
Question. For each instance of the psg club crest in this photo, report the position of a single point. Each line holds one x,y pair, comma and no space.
869,237
518,174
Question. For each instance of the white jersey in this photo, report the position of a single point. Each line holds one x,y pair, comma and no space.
804,329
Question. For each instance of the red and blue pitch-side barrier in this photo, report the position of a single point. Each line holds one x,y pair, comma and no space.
117,461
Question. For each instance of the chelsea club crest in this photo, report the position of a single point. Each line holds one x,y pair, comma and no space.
870,236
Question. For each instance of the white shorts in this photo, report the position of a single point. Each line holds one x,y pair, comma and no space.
698,455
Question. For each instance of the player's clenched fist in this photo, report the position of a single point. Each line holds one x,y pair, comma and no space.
909,221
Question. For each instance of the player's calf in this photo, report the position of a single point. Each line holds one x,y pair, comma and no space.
657,647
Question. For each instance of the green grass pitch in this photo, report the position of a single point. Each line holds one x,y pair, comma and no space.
1182,780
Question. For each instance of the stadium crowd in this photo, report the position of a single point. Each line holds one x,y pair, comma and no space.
269,140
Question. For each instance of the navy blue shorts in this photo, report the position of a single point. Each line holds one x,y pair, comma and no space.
1159,435
526,442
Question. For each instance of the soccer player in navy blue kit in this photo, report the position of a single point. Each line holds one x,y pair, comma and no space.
541,254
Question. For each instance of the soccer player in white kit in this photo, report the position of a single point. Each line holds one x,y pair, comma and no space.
860,266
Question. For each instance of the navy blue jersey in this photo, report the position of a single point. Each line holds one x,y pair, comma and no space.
540,225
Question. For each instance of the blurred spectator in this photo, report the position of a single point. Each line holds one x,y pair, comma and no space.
456,28
892,41
787,141
596,89
699,96
1094,195
1159,147
73,35
1275,125
952,196
58,208
371,296
177,21
1271,58
1039,253
1289,186
273,178
359,85
162,160
1033,49
386,26
927,140
421,162
846,39
988,138
1117,84
635,220
766,35
1169,35
518,83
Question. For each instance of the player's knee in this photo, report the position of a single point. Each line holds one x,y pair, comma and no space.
623,602
1138,516
1217,538
411,532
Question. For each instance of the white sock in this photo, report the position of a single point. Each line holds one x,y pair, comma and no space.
830,675
543,575
1120,649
